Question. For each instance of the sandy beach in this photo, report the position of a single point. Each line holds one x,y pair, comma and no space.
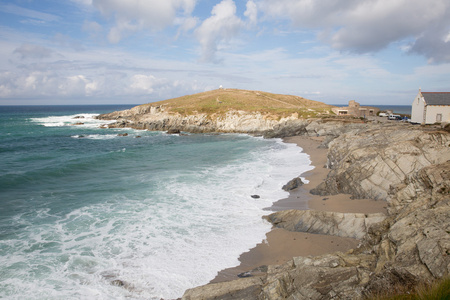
281,245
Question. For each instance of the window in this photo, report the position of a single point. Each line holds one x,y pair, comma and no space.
438,117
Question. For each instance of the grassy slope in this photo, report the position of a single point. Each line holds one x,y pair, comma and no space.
223,100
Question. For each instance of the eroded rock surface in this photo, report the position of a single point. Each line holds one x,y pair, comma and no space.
158,119
353,225
407,166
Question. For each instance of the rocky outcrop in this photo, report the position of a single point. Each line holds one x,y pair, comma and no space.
293,184
376,163
156,118
352,225
327,127
407,166
339,276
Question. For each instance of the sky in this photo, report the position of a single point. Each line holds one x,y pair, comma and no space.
377,52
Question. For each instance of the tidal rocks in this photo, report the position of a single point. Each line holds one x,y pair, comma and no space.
339,276
293,184
352,225
244,288
173,131
406,166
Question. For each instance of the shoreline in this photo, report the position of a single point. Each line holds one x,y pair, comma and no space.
281,245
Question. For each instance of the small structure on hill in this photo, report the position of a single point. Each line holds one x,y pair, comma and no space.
356,110
431,107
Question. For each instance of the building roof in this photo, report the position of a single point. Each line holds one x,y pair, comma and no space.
439,98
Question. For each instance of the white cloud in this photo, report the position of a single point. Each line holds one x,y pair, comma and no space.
102,75
370,25
145,83
446,38
26,51
133,15
251,13
222,26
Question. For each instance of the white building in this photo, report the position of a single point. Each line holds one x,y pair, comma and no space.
430,108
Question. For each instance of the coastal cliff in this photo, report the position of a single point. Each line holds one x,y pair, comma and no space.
408,167
229,110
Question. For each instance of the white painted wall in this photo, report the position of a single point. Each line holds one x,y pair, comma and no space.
434,110
417,109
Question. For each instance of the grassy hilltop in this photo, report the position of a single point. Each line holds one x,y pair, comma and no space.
220,101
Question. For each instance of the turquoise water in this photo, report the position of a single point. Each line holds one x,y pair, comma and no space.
88,214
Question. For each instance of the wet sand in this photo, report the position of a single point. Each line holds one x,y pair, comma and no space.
281,245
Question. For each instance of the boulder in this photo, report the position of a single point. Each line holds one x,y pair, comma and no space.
173,131
293,184
244,288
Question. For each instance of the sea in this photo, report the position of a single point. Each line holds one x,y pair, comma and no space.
92,213
396,109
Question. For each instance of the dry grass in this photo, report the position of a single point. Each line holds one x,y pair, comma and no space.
435,291
223,100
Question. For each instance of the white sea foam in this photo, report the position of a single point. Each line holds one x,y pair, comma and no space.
77,120
96,136
179,235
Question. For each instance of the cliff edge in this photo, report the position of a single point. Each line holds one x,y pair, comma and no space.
223,110
408,167
405,165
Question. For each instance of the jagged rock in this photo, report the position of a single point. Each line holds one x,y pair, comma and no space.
390,279
173,131
78,117
245,288
329,276
431,255
352,225
245,274
368,165
406,166
293,184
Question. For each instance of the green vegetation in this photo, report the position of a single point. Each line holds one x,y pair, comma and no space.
436,291
220,101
